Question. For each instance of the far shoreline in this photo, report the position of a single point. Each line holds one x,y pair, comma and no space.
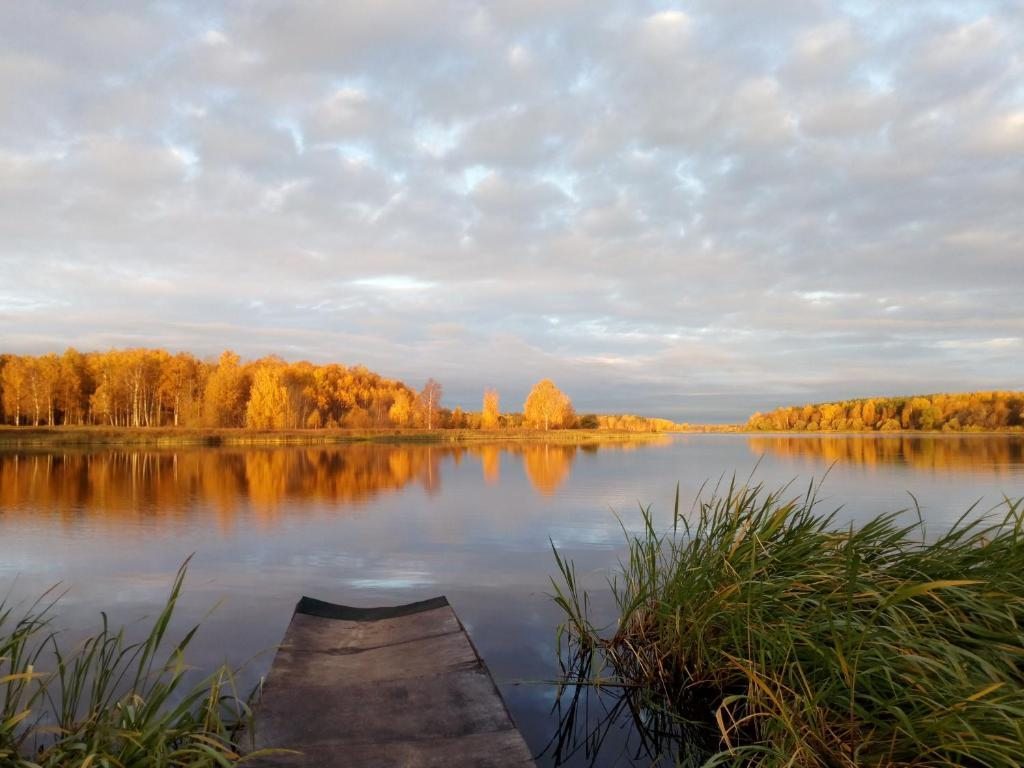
102,436
84,436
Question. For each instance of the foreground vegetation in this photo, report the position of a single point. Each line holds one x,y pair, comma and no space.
108,702
758,632
961,412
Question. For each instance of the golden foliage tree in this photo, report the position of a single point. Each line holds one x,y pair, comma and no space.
226,390
268,400
456,419
74,383
49,383
490,416
547,407
403,409
181,384
14,379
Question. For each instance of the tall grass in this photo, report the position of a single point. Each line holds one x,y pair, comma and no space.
107,702
759,632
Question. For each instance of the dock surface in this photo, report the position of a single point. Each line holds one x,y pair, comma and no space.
381,687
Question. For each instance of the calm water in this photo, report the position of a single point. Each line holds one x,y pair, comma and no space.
378,524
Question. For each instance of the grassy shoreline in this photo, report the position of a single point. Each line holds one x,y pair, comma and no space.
759,631
101,436
42,437
108,702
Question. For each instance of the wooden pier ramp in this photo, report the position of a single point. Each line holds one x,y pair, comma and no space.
380,687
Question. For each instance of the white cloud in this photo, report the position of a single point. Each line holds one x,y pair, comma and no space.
400,283
741,198
665,31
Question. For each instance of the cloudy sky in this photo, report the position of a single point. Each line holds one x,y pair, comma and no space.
691,210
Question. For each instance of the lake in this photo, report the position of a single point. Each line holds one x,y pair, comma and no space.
373,524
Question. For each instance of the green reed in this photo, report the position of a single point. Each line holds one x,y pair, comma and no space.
110,703
758,632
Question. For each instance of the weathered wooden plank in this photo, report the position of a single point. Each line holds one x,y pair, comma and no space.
411,658
398,686
481,750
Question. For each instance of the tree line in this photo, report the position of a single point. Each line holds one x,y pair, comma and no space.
959,412
144,387
154,388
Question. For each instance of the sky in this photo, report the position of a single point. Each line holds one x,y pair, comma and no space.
690,210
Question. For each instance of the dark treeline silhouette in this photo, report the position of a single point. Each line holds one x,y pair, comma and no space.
144,387
960,412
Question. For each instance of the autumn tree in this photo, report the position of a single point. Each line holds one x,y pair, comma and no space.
14,375
402,411
225,398
457,419
547,406
143,371
74,383
268,399
430,400
329,396
180,385
48,372
36,387
490,416
299,382
105,397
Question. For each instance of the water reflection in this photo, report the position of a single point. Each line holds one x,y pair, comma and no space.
380,524
609,724
152,484
996,456
156,483
547,466
490,460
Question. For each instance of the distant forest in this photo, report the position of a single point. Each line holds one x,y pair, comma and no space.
961,412
155,388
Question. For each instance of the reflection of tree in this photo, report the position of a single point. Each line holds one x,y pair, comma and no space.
490,461
267,475
975,454
547,466
127,485
250,485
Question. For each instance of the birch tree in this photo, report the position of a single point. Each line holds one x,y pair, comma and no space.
430,398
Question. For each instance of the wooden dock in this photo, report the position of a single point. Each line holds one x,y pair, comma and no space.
380,687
